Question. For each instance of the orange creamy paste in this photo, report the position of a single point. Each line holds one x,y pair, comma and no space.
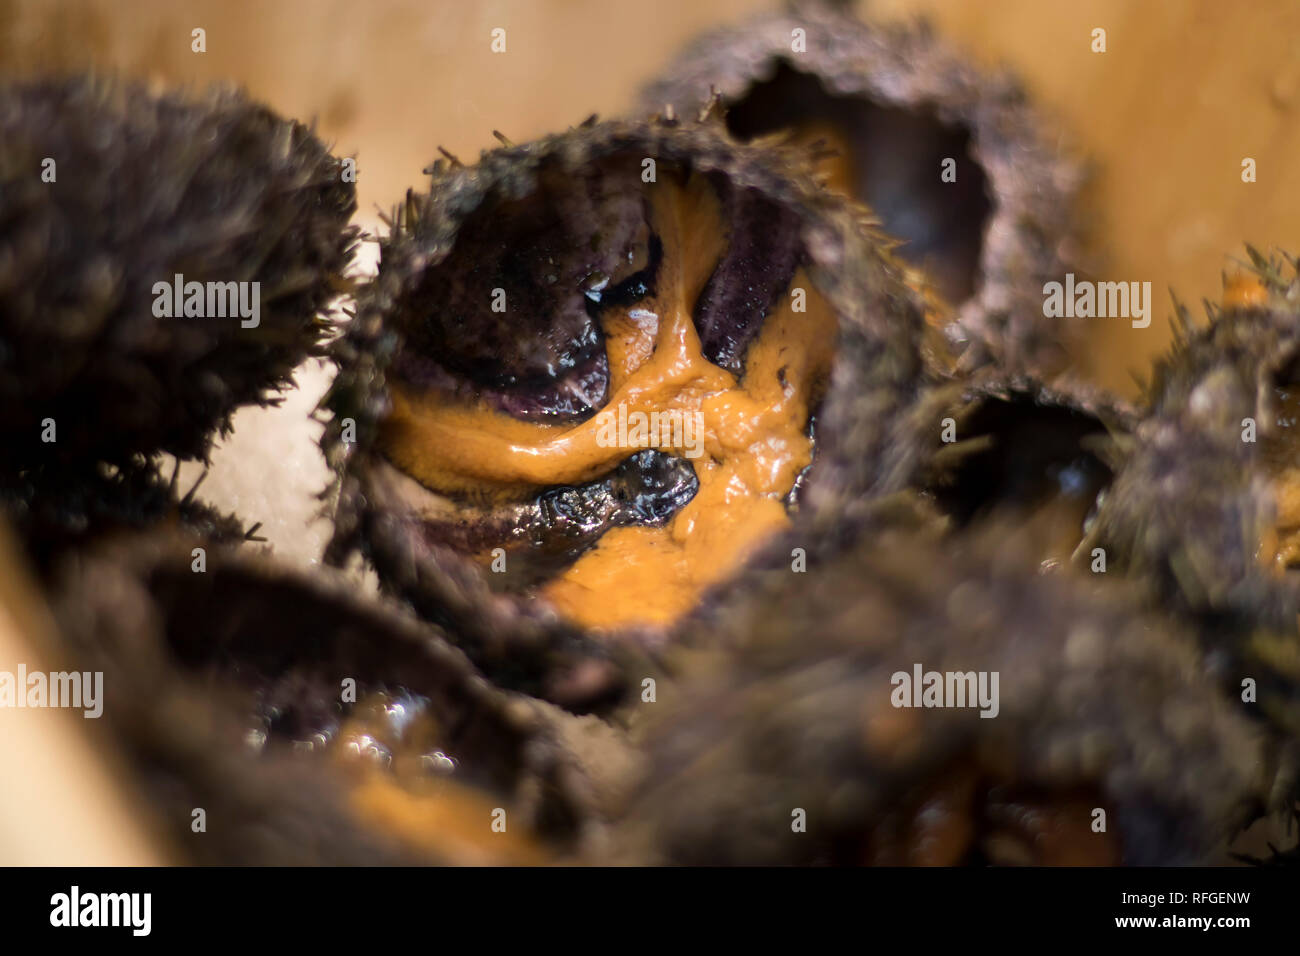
754,432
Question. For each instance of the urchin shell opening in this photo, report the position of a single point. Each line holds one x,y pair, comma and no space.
1023,455
371,703
553,306
894,159
864,446
512,313
1034,452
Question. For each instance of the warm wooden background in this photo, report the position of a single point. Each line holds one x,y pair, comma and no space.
1186,89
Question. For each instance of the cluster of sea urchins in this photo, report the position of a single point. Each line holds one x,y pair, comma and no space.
683,643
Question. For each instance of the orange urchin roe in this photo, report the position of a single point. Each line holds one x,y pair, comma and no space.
447,820
402,783
1244,290
754,431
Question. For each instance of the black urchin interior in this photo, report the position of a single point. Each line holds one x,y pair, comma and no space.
601,296
1038,452
543,261
763,251
564,521
561,258
578,247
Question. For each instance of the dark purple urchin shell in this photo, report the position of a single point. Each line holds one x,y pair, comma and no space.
903,102
213,187
197,664
865,446
1098,707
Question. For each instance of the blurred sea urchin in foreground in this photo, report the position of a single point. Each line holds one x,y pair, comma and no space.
713,523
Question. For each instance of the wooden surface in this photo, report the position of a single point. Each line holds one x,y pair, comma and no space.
1186,89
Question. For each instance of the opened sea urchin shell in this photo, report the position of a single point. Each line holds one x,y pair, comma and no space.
1018,452
533,311
310,724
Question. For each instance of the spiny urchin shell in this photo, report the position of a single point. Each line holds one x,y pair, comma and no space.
864,446
107,189
53,510
1201,487
1095,707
